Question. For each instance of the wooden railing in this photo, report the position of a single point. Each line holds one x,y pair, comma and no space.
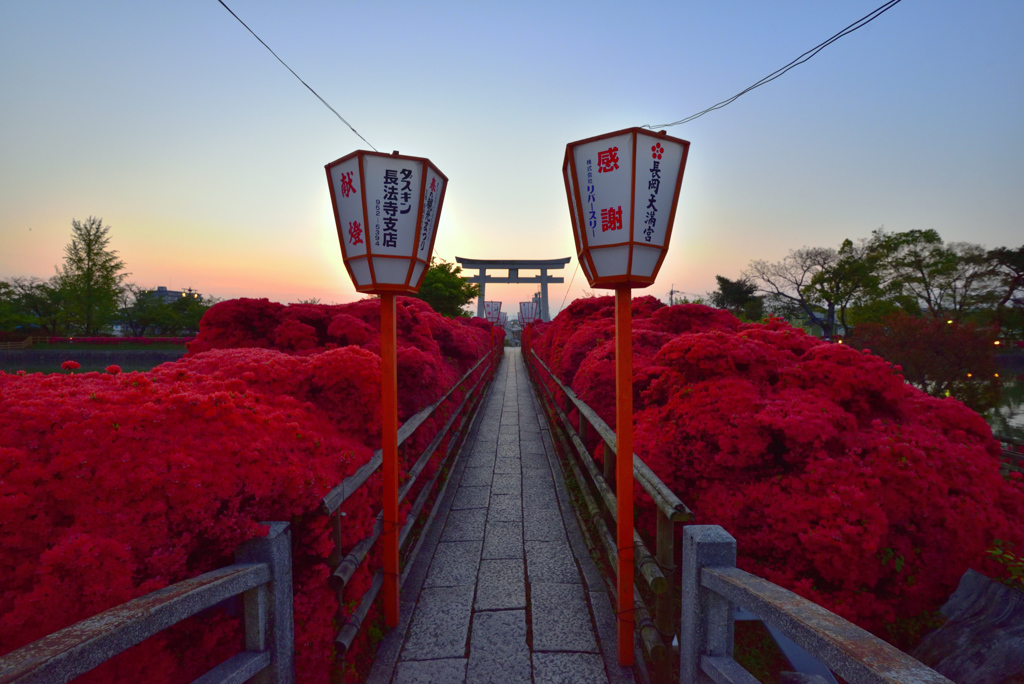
23,344
657,571
1012,456
712,586
699,618
346,561
262,574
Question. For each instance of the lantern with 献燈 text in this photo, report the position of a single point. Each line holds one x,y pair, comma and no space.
386,209
492,312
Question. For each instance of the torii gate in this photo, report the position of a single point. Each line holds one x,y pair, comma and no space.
513,268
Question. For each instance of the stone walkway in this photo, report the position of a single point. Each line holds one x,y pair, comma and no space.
504,589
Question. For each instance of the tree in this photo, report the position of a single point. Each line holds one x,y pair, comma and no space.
40,304
445,290
92,276
738,298
795,285
1009,307
946,281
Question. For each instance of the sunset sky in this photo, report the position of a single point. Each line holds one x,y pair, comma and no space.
173,124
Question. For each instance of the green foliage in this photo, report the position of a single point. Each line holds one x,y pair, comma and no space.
92,277
738,298
1002,553
144,311
445,290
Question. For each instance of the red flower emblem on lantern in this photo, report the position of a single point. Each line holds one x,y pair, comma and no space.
657,150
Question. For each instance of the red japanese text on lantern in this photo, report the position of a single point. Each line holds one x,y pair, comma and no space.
347,188
608,160
355,233
611,219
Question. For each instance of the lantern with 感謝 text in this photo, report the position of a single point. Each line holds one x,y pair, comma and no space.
622,189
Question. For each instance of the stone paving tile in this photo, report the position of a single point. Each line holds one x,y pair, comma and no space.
455,564
451,670
551,561
535,461
561,620
498,653
568,668
471,497
440,624
480,460
543,524
530,446
476,476
508,450
538,478
465,525
505,508
539,498
500,585
507,483
507,465
503,539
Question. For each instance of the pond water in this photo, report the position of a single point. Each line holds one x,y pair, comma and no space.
1007,419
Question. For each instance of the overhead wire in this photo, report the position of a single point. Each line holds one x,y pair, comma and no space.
298,77
571,281
860,23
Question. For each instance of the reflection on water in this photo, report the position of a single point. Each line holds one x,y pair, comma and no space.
1007,419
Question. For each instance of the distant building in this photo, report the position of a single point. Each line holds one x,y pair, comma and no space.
170,296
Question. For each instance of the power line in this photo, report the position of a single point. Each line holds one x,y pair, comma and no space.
860,23
571,280
297,76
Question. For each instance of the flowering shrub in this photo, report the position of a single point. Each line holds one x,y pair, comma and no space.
70,365
115,484
839,480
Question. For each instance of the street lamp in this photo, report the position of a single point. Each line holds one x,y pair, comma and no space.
386,209
623,188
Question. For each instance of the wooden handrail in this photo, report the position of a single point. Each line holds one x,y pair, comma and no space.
347,561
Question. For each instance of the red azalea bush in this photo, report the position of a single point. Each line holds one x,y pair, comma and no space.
115,484
839,480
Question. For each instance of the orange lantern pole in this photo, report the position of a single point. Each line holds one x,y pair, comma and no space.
389,445
624,468
386,210
623,188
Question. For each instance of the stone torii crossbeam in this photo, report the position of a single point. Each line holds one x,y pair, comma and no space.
513,268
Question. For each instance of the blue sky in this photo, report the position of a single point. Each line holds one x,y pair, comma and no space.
206,156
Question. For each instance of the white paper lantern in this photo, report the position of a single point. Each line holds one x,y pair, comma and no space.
492,311
528,312
386,208
622,189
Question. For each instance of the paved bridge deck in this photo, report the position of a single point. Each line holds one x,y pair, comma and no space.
504,589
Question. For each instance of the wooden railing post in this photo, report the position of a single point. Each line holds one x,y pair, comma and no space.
666,552
269,623
706,623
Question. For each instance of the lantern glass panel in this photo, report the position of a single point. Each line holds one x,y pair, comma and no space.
348,196
390,271
658,161
611,261
431,205
393,184
644,260
417,271
361,272
606,165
